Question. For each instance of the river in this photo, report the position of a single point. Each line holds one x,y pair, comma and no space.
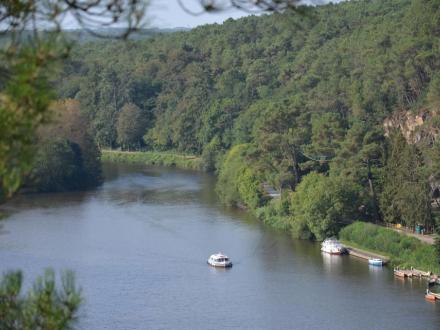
139,245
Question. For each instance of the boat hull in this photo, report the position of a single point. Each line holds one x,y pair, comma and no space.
430,296
332,246
375,262
434,286
332,252
220,265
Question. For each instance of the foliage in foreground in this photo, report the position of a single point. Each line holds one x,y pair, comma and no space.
24,99
403,250
44,307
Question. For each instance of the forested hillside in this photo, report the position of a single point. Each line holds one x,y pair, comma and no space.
294,100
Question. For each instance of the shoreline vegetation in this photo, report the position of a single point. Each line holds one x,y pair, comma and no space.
404,251
156,158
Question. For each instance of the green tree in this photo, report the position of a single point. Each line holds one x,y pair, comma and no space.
360,159
327,134
130,126
58,166
211,154
280,133
44,307
69,122
24,100
325,204
406,196
238,181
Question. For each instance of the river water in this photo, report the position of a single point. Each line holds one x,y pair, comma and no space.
139,246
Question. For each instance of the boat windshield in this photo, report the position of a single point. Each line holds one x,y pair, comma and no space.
221,259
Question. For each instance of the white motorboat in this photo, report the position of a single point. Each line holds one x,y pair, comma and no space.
219,260
332,246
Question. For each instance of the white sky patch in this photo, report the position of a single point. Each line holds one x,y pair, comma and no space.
169,14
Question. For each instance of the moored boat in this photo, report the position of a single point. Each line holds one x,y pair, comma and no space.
332,246
430,296
434,288
375,262
219,260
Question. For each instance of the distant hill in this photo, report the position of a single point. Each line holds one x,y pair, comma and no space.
84,36
96,35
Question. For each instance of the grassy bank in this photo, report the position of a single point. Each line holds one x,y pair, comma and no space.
153,158
403,250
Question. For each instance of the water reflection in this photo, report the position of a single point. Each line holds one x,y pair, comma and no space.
331,262
376,272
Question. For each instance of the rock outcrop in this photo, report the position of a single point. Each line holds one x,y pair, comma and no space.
415,127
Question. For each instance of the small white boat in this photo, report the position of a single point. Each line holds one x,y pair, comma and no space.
219,260
375,261
332,246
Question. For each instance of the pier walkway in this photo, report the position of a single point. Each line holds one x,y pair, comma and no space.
359,253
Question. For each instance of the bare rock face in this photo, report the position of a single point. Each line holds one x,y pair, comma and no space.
415,127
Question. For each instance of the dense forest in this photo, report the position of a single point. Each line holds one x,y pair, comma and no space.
337,107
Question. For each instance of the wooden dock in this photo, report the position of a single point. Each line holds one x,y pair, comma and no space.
411,273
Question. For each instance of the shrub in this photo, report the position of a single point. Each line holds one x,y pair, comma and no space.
402,249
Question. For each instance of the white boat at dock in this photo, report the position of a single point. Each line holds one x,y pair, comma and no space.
332,246
219,260
375,262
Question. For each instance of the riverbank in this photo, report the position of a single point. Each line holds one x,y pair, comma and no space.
153,158
403,251
356,251
384,243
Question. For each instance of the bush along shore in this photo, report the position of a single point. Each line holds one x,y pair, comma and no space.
404,251
156,158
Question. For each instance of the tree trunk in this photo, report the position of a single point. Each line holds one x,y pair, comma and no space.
295,167
373,195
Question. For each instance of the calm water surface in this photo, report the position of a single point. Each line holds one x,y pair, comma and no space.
139,246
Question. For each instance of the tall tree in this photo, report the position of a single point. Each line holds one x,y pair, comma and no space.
280,133
130,126
406,196
325,204
69,123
